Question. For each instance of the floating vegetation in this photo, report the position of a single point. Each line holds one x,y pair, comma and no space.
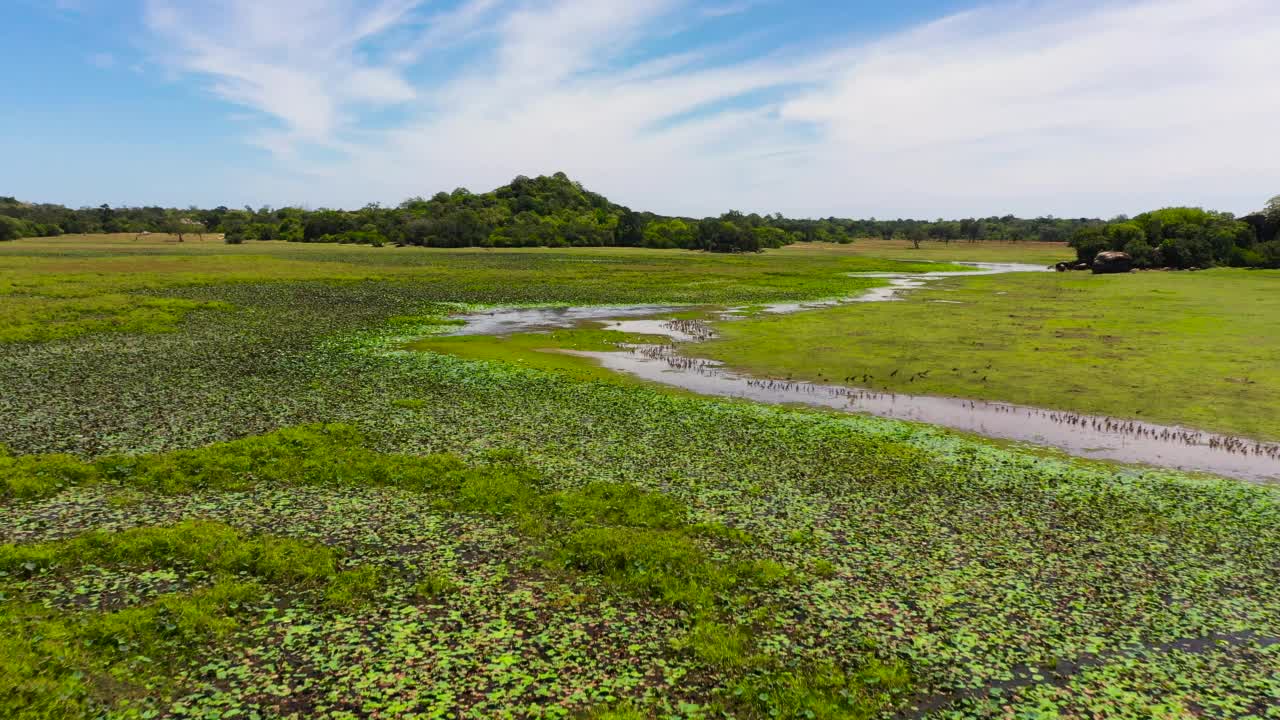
274,511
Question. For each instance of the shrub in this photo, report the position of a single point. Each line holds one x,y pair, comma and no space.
11,228
1245,257
1186,251
1270,253
1088,242
1144,256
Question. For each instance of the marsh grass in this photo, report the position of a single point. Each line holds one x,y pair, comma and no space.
64,665
434,586
210,546
59,667
56,288
637,541
819,691
31,476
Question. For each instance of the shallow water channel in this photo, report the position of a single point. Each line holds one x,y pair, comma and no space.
1089,436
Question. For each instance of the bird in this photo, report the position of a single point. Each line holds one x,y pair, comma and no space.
894,373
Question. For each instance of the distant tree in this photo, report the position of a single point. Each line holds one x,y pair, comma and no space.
673,233
630,228
770,237
10,228
291,230
1121,234
545,211
1272,210
1051,233
916,233
1270,253
181,227
419,231
1269,228
235,225
1186,251
1088,242
971,229
1144,256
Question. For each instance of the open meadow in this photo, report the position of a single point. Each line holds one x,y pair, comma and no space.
1196,349
1031,253
263,480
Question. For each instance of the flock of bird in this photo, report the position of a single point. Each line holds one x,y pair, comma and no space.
1104,425
696,329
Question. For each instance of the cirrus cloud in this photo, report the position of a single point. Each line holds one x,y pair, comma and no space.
1050,107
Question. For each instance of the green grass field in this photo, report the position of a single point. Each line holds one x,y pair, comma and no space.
66,286
1196,349
266,506
1031,253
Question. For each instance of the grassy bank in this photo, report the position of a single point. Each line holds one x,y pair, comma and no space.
1181,348
1032,253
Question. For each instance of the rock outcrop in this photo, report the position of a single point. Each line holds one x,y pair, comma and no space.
1112,262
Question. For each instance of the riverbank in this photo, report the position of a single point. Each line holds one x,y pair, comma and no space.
662,350
1189,349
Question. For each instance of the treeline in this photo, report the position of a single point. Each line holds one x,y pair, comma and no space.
529,212
546,211
1187,238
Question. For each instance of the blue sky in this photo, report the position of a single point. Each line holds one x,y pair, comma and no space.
914,108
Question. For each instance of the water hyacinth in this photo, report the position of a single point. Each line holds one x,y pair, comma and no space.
480,539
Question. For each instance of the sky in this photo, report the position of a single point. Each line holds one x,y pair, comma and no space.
812,108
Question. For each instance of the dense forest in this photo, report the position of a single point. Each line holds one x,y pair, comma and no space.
554,211
548,211
1187,238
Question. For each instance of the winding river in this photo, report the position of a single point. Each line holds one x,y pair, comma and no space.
1089,436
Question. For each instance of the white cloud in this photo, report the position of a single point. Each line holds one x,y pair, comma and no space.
730,8
1052,107
449,28
294,60
1154,101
